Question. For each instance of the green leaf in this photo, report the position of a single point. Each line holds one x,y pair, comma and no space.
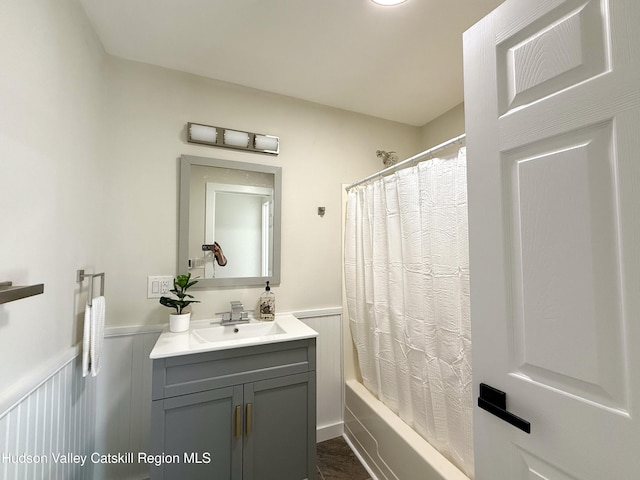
180,285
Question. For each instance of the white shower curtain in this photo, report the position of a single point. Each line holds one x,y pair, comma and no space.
407,285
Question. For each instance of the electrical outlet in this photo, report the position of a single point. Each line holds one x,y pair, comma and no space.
165,285
159,285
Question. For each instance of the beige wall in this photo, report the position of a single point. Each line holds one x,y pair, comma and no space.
448,125
89,173
51,122
321,149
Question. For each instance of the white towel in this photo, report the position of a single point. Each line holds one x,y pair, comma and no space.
86,340
93,339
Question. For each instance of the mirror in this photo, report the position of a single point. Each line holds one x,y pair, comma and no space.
229,222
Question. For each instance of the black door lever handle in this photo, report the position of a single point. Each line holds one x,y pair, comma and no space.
495,401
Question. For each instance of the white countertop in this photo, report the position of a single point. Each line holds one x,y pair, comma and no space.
184,343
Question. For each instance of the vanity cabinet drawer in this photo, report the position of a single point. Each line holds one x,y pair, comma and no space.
174,376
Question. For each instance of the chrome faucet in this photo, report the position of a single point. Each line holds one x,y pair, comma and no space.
237,309
236,315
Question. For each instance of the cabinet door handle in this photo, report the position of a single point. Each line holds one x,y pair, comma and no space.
238,421
249,413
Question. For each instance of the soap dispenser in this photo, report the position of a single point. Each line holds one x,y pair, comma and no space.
267,304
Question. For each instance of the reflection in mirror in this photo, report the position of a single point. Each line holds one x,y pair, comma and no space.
229,225
238,224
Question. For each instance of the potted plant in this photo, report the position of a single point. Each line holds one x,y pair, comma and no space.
179,321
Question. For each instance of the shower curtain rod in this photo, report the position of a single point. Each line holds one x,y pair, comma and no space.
408,161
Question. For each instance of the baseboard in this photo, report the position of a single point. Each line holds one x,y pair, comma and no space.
327,432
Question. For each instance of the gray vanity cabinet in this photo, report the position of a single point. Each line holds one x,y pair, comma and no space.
276,448
196,427
240,414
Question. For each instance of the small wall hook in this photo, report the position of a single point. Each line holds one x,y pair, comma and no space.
321,211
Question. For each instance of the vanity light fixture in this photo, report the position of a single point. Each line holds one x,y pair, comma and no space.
236,139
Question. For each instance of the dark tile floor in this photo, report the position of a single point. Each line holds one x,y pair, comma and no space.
336,461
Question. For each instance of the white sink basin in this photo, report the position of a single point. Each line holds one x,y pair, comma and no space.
207,335
224,333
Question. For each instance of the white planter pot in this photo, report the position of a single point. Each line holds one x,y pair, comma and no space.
179,323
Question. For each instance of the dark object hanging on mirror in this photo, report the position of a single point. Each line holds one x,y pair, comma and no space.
217,252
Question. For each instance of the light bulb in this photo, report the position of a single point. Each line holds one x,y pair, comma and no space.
236,139
202,133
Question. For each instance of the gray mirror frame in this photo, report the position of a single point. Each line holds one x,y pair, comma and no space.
186,161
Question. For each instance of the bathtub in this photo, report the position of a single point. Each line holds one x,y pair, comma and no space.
389,447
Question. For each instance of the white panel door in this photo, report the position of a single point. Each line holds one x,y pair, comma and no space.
552,104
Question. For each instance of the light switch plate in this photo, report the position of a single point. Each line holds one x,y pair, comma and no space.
159,285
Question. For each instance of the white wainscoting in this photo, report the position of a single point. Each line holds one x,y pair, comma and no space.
50,412
329,378
123,405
